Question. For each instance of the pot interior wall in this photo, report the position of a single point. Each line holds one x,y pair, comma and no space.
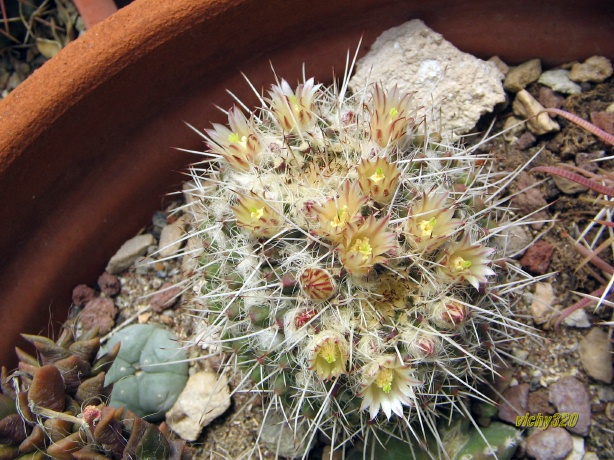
87,141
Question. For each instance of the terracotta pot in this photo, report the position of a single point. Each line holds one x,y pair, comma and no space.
86,143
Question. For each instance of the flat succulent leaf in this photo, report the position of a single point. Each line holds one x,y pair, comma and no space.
47,389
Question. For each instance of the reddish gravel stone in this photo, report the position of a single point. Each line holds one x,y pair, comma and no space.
526,140
537,258
538,403
549,99
515,400
109,284
603,120
570,395
529,199
165,298
82,294
99,312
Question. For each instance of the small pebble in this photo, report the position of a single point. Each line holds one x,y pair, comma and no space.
558,80
514,403
567,186
571,396
543,300
109,284
82,294
578,450
525,141
143,265
551,444
603,120
129,252
171,238
538,121
595,70
549,99
538,402
578,319
520,76
596,355
502,66
165,298
537,258
99,312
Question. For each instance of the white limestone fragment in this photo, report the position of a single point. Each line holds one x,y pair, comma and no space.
455,88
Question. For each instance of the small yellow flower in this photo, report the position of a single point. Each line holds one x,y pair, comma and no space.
328,354
364,245
430,222
239,145
379,179
464,261
387,385
253,214
390,116
335,214
294,110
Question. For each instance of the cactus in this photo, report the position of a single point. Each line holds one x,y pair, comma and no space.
460,440
149,372
345,255
55,407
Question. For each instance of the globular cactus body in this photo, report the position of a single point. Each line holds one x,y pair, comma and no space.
149,372
341,255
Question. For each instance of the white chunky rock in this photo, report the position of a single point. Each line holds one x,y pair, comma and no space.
538,121
458,87
205,397
129,252
558,80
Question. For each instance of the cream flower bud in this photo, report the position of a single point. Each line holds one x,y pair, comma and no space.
430,222
328,354
239,145
253,214
387,385
390,117
464,261
447,313
294,110
364,245
317,284
379,179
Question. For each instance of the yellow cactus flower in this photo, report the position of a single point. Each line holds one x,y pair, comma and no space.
387,385
253,214
390,116
239,145
464,261
379,179
430,222
335,214
328,354
294,110
364,245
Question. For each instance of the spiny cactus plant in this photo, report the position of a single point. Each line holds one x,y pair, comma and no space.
55,407
348,258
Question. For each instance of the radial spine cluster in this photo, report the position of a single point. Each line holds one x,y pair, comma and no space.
345,257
